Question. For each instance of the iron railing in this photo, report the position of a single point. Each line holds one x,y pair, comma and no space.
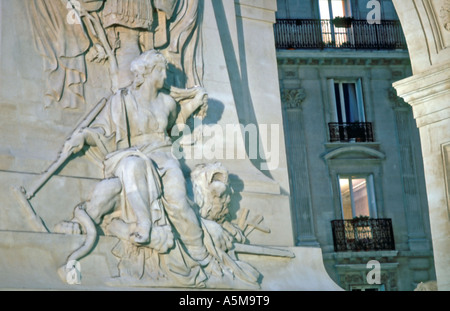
363,235
319,34
351,132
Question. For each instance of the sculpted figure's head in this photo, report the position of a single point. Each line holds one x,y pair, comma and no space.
150,65
211,191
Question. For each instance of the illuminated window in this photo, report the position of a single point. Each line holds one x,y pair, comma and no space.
357,196
330,9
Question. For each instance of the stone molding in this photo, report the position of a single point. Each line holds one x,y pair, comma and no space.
421,92
446,161
342,58
368,152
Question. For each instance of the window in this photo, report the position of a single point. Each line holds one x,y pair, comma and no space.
357,196
332,35
349,106
330,9
349,119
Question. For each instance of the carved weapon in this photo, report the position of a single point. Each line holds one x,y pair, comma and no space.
63,156
260,250
23,196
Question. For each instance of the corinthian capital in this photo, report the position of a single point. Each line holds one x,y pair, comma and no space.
293,98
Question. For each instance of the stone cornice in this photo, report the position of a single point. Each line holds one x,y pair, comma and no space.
428,93
366,152
342,58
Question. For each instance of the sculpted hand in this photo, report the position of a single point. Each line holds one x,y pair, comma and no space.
202,100
75,143
221,238
97,54
235,231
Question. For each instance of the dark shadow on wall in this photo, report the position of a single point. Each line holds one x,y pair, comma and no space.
239,77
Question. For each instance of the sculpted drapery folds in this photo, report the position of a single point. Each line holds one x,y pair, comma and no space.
70,32
153,52
143,198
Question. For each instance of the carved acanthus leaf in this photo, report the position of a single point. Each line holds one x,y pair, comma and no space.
292,98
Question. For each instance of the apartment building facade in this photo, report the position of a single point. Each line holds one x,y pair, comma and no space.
354,156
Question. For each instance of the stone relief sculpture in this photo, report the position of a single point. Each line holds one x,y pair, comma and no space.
142,199
69,32
164,238
445,15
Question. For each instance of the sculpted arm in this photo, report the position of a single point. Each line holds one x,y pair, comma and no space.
193,101
87,136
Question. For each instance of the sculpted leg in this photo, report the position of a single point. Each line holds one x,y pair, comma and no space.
103,199
133,173
182,215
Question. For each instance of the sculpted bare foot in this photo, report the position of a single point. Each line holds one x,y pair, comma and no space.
141,235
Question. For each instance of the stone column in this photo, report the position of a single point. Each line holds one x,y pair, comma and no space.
427,31
430,99
298,169
413,211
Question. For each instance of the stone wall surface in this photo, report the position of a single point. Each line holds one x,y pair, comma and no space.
55,71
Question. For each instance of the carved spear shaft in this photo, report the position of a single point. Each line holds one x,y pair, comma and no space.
63,156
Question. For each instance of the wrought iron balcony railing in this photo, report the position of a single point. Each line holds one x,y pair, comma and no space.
319,34
348,132
363,235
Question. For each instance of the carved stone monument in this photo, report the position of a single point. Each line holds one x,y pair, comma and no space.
142,146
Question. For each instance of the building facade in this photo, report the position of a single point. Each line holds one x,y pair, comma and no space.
354,152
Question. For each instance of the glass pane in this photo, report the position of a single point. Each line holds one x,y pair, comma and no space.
324,9
346,200
337,94
351,103
338,7
360,197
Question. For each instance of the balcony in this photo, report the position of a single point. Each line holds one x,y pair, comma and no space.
320,34
363,234
351,132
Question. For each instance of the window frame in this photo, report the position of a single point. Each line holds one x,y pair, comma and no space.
347,10
359,98
371,193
